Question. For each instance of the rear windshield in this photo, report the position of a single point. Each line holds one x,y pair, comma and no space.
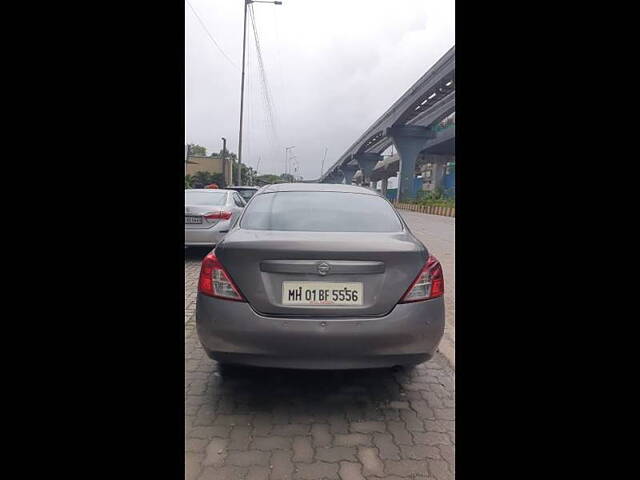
205,198
320,212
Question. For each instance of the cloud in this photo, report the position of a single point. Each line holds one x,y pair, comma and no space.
333,68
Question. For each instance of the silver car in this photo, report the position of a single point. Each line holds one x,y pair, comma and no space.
208,214
320,276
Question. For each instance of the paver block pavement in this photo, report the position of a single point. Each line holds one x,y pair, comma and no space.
386,447
302,449
370,461
352,439
248,458
316,470
336,454
350,471
216,452
281,465
271,443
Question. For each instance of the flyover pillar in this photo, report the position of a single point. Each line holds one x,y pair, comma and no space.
348,171
367,161
384,183
439,165
409,140
335,177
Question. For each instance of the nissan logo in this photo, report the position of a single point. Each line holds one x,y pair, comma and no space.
323,268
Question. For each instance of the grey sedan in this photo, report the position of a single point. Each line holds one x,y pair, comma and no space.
208,214
320,276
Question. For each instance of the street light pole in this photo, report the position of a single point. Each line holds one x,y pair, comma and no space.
244,47
186,158
224,160
286,158
323,159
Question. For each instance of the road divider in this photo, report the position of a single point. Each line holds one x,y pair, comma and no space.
430,209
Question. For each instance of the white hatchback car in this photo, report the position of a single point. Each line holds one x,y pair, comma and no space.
208,214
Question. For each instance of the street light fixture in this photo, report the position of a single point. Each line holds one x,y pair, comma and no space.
244,47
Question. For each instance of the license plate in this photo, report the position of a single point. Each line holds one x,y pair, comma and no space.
188,219
322,293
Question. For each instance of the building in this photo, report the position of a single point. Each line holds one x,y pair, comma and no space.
210,165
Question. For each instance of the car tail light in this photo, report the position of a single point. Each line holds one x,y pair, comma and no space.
215,281
429,283
221,215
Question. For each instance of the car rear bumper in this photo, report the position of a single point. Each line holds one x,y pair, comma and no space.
233,332
202,237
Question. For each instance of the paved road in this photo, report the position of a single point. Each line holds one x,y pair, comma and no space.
312,425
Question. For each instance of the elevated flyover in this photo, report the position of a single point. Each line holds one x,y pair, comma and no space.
413,125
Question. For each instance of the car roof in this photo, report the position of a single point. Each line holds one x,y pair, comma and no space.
233,187
316,187
208,190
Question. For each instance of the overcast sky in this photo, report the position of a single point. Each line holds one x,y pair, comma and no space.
332,66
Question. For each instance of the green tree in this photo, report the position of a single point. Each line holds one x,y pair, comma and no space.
202,179
218,179
437,197
219,154
197,150
244,173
